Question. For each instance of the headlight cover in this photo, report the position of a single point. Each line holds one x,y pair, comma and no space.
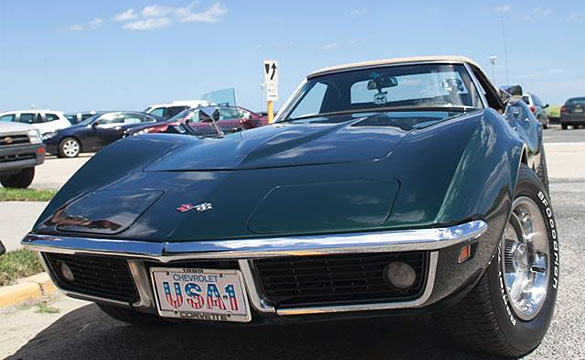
34,136
49,135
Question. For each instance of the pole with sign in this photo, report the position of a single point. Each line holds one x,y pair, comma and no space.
271,86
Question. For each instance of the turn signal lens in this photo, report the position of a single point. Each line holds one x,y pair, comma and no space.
400,274
464,254
66,272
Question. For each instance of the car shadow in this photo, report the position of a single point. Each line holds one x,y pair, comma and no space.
90,334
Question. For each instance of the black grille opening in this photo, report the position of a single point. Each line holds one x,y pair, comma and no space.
337,279
103,276
10,140
16,157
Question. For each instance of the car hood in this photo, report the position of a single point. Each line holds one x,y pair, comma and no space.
285,145
11,127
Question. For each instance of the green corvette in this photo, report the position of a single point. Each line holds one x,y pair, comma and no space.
383,188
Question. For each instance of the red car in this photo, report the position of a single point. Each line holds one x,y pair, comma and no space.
231,119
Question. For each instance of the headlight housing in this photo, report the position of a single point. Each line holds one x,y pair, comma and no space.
49,135
34,136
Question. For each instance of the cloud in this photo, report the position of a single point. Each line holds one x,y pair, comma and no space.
147,24
158,16
76,27
338,44
357,12
537,13
503,8
573,17
212,14
95,23
125,15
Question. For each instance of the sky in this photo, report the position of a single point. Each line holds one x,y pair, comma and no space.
125,55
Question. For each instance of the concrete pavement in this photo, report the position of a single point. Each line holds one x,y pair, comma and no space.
16,219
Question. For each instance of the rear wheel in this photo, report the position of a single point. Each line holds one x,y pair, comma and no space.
564,126
22,180
133,317
69,148
509,311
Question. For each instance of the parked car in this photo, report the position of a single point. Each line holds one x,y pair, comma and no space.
230,119
389,187
537,107
76,118
573,113
21,149
167,111
43,120
95,132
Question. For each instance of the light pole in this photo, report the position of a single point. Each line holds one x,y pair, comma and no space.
493,61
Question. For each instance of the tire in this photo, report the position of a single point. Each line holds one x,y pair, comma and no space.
564,126
542,170
22,180
133,317
69,148
486,319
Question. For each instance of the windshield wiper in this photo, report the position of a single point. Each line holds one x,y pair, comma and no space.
459,108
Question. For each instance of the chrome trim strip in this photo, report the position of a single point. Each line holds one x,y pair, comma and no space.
257,301
433,260
142,283
428,239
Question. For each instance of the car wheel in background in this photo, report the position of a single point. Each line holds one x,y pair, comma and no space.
509,311
22,180
564,126
133,317
69,148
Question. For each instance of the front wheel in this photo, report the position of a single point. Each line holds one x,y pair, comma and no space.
69,148
564,126
22,180
509,311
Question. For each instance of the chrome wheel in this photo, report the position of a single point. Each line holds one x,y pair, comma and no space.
70,148
526,259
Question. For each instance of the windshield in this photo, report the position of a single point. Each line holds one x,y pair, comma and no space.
226,97
424,86
89,120
576,101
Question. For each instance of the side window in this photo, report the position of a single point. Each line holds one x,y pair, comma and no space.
488,90
158,112
311,102
85,116
172,111
51,117
7,118
28,118
109,119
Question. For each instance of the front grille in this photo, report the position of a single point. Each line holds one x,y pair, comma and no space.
104,276
16,157
9,140
337,279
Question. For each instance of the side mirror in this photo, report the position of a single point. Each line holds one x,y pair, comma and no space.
2,249
504,96
95,124
545,106
514,90
210,112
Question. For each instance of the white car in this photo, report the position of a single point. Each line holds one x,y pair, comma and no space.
167,111
45,121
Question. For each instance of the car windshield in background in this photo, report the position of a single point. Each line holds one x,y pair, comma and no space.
425,86
576,101
225,97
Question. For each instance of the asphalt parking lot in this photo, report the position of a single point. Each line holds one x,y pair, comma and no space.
81,330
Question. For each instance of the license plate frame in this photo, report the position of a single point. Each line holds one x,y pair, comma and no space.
236,279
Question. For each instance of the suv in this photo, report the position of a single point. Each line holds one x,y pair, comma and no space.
167,111
537,107
43,120
21,149
76,118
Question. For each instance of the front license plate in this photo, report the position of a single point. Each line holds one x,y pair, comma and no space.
200,294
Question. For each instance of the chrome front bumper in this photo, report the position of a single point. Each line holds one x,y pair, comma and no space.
245,250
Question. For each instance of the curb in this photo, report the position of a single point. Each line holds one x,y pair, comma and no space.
28,288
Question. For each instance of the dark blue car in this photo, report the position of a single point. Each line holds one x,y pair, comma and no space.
95,132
